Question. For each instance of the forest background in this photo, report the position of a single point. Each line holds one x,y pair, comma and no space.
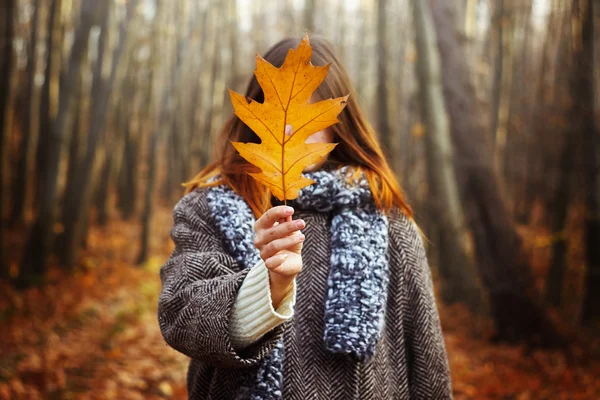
488,111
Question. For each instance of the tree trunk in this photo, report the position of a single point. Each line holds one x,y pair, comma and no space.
185,93
341,31
94,184
129,154
157,112
560,211
505,38
128,171
6,62
383,122
194,152
456,268
497,28
363,59
234,81
503,267
460,14
309,15
30,121
400,98
49,98
103,186
77,201
39,243
111,147
148,196
520,103
532,170
259,18
210,95
588,100
579,113
470,18
76,145
287,15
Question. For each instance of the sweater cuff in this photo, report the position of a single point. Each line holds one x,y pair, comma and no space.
253,314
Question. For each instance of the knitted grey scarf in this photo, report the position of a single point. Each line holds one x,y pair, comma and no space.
358,274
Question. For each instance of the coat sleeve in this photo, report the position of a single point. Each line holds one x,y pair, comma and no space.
429,373
200,282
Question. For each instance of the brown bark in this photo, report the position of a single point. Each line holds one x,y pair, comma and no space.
497,34
6,60
30,119
533,186
157,113
130,136
309,15
591,156
76,201
40,240
209,116
363,58
383,121
194,151
49,98
129,171
520,103
502,264
579,111
454,263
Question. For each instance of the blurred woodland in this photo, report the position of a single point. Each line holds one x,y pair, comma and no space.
489,113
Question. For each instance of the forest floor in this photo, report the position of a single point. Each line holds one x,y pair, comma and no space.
93,334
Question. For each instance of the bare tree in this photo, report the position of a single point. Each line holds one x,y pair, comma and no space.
6,61
573,78
158,111
77,201
30,119
49,95
309,15
502,264
128,169
383,121
502,82
363,57
591,148
519,106
40,240
456,268
212,94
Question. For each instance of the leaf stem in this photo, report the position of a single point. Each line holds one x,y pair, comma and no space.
282,160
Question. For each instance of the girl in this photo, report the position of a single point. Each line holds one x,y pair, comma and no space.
334,303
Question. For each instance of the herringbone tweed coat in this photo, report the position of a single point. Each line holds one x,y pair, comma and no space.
200,284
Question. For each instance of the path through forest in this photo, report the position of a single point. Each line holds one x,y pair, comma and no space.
93,334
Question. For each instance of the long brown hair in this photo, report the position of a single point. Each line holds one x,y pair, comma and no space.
358,145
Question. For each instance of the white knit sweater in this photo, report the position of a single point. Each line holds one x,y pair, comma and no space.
253,314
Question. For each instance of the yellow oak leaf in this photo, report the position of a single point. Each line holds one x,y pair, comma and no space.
287,92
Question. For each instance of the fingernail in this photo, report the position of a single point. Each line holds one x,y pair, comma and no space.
289,210
299,223
300,237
